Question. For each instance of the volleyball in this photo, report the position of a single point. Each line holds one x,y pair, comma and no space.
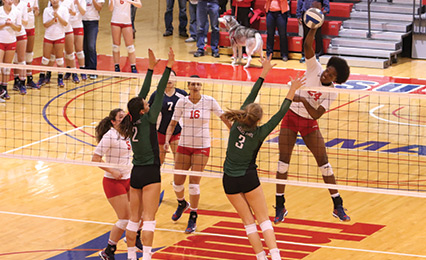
313,18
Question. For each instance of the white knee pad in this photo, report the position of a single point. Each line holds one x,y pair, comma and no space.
122,224
130,48
265,225
250,229
194,189
178,188
149,226
60,61
326,170
52,58
282,167
132,226
6,71
22,63
80,54
70,56
115,48
44,61
29,57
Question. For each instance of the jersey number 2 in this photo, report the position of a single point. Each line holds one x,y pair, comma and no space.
135,133
240,142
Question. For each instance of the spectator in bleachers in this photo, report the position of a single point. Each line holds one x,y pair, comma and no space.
277,12
241,11
207,8
183,19
302,7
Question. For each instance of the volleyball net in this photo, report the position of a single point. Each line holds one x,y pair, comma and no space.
374,140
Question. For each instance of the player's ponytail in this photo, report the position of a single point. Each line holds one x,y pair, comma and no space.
105,124
135,105
248,117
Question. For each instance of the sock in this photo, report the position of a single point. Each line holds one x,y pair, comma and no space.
29,78
275,254
147,252
193,215
182,203
279,200
60,75
131,252
110,249
261,256
337,201
49,74
117,67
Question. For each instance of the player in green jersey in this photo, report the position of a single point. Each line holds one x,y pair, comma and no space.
240,180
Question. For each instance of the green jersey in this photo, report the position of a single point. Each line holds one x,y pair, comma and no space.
144,140
244,145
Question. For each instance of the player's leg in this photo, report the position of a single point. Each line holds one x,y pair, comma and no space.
59,53
128,41
150,193
134,219
183,162
116,41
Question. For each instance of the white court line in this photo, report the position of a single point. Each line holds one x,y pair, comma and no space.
46,139
221,235
390,121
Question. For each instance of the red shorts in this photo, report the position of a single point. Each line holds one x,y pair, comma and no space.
54,41
162,138
30,32
68,33
121,25
21,38
297,123
114,187
191,151
8,46
78,31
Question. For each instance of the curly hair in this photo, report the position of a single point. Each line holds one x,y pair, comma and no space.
341,67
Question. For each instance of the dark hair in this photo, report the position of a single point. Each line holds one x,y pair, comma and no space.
341,67
193,76
172,71
247,117
105,124
134,106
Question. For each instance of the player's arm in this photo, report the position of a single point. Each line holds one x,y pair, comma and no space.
98,6
110,5
81,7
135,3
114,172
61,20
148,78
308,45
169,133
314,113
226,121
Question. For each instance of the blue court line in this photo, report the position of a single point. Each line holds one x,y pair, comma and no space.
56,97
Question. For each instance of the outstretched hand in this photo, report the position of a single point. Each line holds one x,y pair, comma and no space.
297,83
152,60
266,64
171,59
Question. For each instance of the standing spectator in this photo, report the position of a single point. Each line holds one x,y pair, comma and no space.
77,25
91,29
222,6
33,10
121,23
21,47
277,12
193,22
302,7
168,18
10,23
208,8
241,11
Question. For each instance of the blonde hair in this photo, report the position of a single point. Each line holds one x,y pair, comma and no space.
247,117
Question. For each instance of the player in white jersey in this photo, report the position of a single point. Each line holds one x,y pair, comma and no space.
116,182
32,10
122,24
193,151
21,47
306,108
55,20
77,25
10,23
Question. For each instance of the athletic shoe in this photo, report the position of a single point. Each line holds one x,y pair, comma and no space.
103,255
22,89
5,94
93,76
61,83
339,212
190,39
2,93
179,211
31,84
2,100
67,76
133,69
83,77
47,78
192,223
117,69
280,214
198,54
75,78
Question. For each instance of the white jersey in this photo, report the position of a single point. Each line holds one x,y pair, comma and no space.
77,20
314,98
21,8
195,119
91,13
7,34
117,150
121,12
30,4
56,31
69,5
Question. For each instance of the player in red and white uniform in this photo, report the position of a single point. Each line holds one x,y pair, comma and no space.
121,24
55,20
306,108
193,150
32,10
21,47
77,25
10,23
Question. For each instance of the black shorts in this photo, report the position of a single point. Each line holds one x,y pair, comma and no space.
143,175
242,184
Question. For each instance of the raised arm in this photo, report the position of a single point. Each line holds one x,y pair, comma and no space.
308,45
267,66
148,78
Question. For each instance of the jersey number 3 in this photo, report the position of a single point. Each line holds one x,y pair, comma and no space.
240,143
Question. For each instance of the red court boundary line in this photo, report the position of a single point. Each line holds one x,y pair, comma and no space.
408,119
53,250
